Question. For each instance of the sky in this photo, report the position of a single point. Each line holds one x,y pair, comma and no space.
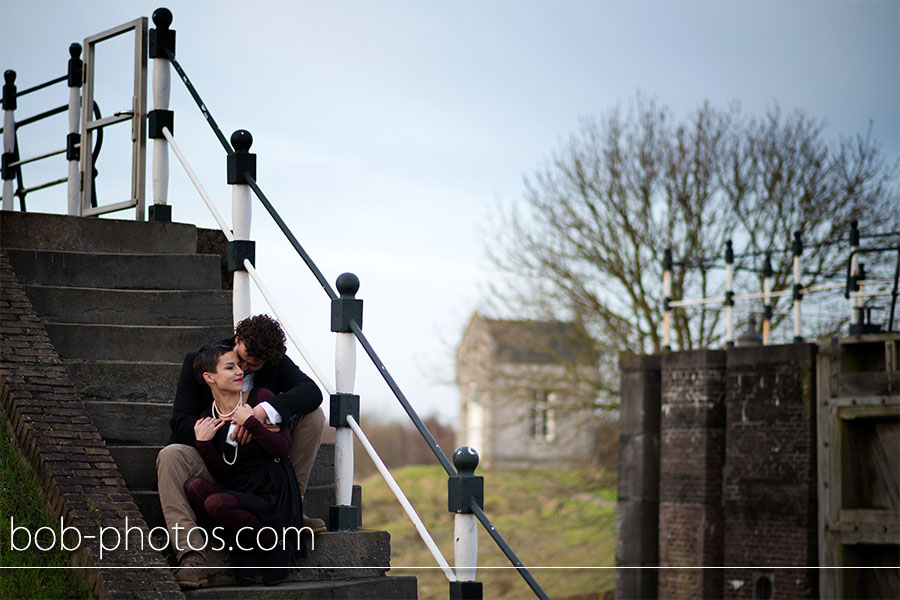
391,134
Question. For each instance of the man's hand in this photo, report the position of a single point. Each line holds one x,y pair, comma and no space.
241,435
205,429
241,414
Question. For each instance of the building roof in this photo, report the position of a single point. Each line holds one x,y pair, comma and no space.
542,342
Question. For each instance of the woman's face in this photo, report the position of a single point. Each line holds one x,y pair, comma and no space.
228,376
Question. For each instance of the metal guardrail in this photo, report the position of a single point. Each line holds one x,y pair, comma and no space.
466,494
855,281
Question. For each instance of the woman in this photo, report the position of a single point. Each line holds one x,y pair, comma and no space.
258,486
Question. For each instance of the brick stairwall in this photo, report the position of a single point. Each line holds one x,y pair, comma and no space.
79,478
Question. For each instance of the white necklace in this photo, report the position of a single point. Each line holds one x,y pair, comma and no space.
225,458
220,415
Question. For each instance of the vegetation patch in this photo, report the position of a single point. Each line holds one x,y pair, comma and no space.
561,522
30,573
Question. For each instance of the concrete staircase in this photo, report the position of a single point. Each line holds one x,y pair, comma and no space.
123,302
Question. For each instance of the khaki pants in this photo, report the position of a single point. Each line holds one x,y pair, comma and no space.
177,462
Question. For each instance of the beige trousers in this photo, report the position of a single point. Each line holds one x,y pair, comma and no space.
177,462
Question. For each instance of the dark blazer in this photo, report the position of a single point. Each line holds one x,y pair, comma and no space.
295,394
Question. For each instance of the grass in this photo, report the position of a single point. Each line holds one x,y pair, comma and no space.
21,498
552,518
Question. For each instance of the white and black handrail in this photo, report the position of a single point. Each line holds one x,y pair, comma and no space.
465,490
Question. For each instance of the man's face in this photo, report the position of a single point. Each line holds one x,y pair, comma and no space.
246,362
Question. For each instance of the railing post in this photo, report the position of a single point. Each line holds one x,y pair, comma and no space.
162,39
73,139
729,294
855,301
343,515
797,249
767,299
239,163
462,489
667,298
9,137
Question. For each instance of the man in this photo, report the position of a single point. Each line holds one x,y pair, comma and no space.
259,343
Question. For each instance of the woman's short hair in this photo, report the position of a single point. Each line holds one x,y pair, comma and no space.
207,358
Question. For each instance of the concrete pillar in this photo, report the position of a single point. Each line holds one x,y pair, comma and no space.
638,496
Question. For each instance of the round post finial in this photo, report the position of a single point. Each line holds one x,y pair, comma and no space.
729,252
667,259
162,17
767,265
9,76
241,140
75,50
465,459
798,244
854,233
347,285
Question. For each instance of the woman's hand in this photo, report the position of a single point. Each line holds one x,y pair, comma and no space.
243,413
205,429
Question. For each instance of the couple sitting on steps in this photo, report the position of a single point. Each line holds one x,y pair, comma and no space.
242,408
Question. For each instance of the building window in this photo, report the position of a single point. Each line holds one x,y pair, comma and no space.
542,424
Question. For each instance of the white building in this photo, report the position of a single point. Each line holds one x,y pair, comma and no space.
523,396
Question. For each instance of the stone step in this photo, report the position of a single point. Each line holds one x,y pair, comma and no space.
323,469
130,342
349,589
320,498
330,555
117,271
145,423
137,462
131,307
80,234
316,504
125,380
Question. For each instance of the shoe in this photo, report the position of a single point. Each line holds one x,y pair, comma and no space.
317,525
191,571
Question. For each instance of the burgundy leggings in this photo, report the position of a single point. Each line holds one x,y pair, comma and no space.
223,508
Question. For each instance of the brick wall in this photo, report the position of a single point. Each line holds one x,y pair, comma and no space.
769,480
692,453
737,472
80,479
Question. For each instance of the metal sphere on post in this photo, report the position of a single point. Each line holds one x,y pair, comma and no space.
9,139
463,489
344,310
73,139
239,164
161,45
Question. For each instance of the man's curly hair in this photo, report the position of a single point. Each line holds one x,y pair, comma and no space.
263,337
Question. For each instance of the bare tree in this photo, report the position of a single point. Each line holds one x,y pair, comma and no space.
588,243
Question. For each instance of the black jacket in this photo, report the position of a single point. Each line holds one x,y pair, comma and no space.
295,394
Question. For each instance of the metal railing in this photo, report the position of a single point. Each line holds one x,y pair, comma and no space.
465,489
856,287
86,124
12,162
